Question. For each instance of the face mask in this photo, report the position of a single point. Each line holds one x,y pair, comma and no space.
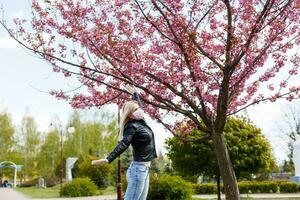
138,114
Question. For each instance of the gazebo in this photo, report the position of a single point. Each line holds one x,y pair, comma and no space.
9,164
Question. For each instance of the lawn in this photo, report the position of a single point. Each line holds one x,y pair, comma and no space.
34,192
53,192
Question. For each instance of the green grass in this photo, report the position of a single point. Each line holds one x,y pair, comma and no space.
53,192
34,192
260,199
109,190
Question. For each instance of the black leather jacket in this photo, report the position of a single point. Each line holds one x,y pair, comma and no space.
141,137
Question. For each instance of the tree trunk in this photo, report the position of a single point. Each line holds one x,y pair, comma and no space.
227,173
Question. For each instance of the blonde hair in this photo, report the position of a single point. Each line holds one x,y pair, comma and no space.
128,108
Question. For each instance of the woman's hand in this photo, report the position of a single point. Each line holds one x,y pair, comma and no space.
100,162
130,89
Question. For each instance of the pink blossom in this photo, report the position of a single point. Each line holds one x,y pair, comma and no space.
179,63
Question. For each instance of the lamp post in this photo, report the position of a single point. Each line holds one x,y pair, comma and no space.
70,130
61,158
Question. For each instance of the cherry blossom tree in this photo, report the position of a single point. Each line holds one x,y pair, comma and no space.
203,60
297,3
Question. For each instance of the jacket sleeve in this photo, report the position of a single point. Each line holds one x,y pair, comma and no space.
136,97
123,144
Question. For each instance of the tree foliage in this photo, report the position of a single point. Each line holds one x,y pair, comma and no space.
99,174
7,141
49,154
90,137
31,139
248,148
291,122
40,153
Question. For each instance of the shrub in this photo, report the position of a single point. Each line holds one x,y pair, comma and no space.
124,183
258,187
79,187
166,187
169,188
244,187
99,174
286,187
206,188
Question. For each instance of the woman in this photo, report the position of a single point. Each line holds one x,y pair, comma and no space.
134,131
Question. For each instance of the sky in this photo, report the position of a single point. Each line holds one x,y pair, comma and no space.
24,77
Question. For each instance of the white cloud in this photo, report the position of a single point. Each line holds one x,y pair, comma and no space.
7,42
270,118
18,14
42,120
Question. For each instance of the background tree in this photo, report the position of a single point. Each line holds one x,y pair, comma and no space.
49,154
74,139
31,142
7,141
100,175
291,120
201,59
126,160
41,157
158,165
248,148
91,137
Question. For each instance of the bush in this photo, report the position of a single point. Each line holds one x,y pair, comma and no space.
288,187
99,174
244,187
169,188
124,183
258,187
206,188
166,187
79,187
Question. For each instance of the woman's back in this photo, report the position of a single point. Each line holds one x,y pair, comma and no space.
143,142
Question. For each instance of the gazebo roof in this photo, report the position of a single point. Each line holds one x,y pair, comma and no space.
9,164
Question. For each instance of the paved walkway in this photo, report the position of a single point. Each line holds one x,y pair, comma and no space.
10,194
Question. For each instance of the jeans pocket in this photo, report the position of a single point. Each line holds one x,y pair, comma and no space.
141,168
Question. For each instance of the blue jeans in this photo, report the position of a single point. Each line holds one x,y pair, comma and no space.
138,181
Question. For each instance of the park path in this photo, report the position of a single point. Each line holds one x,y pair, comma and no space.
10,194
